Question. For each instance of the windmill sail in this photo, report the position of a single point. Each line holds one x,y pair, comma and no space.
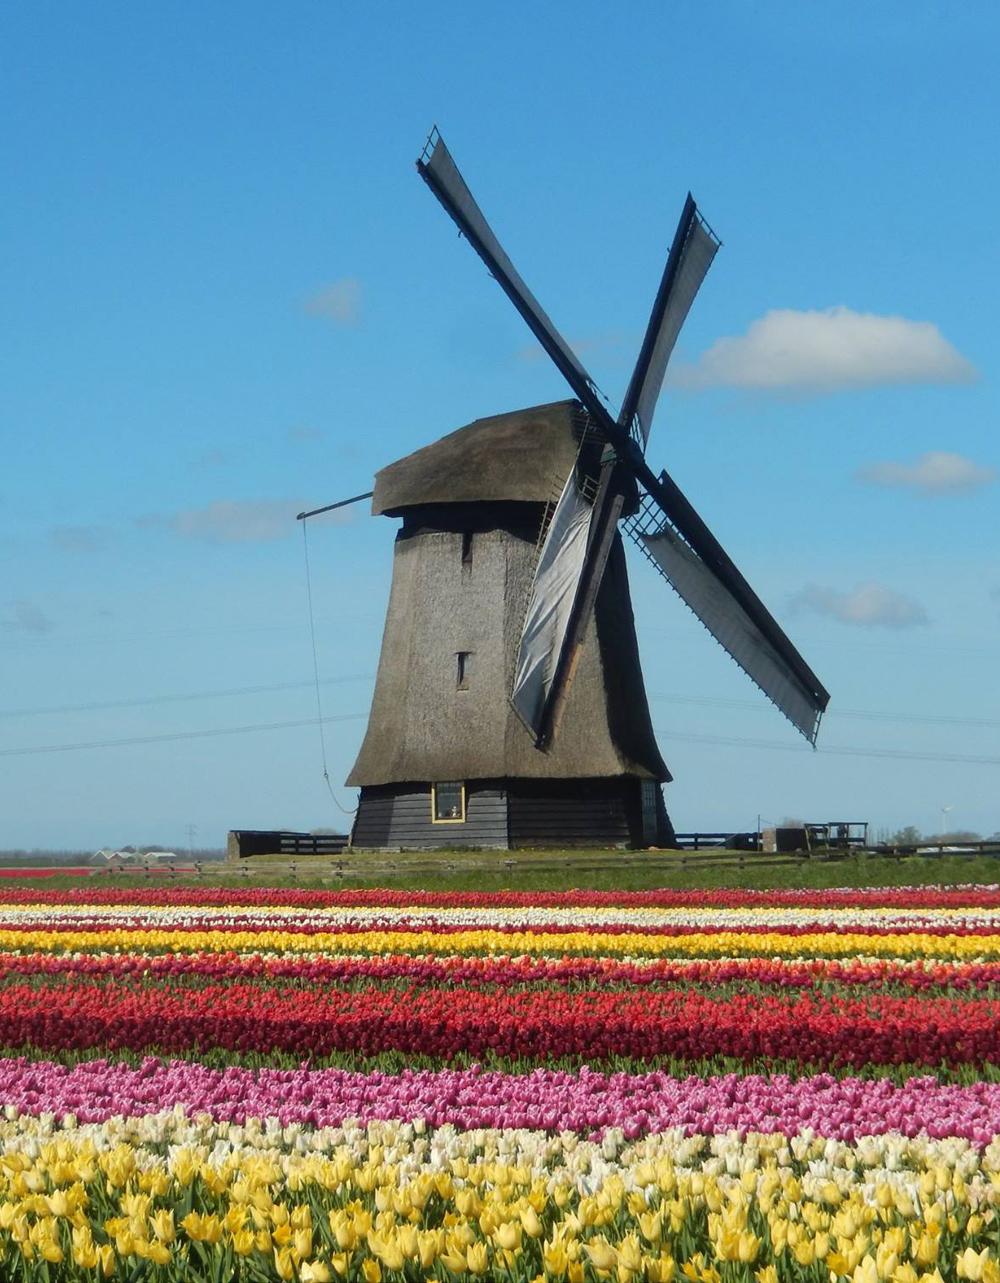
441,175
553,593
543,670
670,532
691,253
694,247
764,653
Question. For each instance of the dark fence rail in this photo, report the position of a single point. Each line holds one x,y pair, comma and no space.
244,843
729,841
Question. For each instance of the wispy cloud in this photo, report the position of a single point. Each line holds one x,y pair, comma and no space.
610,342
827,351
934,473
870,605
25,617
300,434
80,538
231,520
339,302
213,458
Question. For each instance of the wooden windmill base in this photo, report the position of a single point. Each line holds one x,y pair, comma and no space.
509,814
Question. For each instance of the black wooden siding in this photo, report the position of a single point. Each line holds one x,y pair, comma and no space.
594,812
514,813
398,817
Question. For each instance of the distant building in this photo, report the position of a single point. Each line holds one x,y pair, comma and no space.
107,858
110,859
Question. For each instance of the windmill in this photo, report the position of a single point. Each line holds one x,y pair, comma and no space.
532,733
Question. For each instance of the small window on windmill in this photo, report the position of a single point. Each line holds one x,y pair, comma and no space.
448,802
463,669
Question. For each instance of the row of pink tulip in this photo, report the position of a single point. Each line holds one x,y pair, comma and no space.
584,1102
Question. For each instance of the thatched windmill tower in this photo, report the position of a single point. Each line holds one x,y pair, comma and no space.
443,735
509,706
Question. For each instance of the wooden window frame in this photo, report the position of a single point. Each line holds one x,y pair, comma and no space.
450,819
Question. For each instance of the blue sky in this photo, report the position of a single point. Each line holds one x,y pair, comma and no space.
228,296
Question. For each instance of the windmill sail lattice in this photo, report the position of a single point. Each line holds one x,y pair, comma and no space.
730,625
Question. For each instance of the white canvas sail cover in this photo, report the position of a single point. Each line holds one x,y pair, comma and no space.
732,627
696,258
553,592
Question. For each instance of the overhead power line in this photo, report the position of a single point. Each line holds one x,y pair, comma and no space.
840,750
708,701
735,741
177,735
145,701
704,701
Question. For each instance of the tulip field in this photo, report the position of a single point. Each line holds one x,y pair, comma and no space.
725,1086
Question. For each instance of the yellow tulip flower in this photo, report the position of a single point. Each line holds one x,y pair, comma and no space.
315,1272
283,1263
601,1253
202,1228
243,1242
162,1222
971,1264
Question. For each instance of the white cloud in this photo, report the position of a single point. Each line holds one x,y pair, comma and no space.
226,521
936,472
339,302
826,351
869,605
25,617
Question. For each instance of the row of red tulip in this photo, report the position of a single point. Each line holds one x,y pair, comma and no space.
680,1023
475,970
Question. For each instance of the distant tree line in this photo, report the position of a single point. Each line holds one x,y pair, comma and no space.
912,836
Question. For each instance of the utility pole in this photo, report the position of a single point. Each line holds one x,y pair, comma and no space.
192,829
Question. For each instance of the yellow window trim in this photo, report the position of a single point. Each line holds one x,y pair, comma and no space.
451,819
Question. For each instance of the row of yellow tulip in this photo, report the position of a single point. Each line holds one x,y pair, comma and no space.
730,944
164,1197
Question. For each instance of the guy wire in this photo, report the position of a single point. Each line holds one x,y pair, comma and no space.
319,698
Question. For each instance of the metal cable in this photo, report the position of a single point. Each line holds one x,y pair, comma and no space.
319,698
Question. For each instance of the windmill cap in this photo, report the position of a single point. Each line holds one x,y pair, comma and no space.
522,457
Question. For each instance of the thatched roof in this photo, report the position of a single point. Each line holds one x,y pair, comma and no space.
517,457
